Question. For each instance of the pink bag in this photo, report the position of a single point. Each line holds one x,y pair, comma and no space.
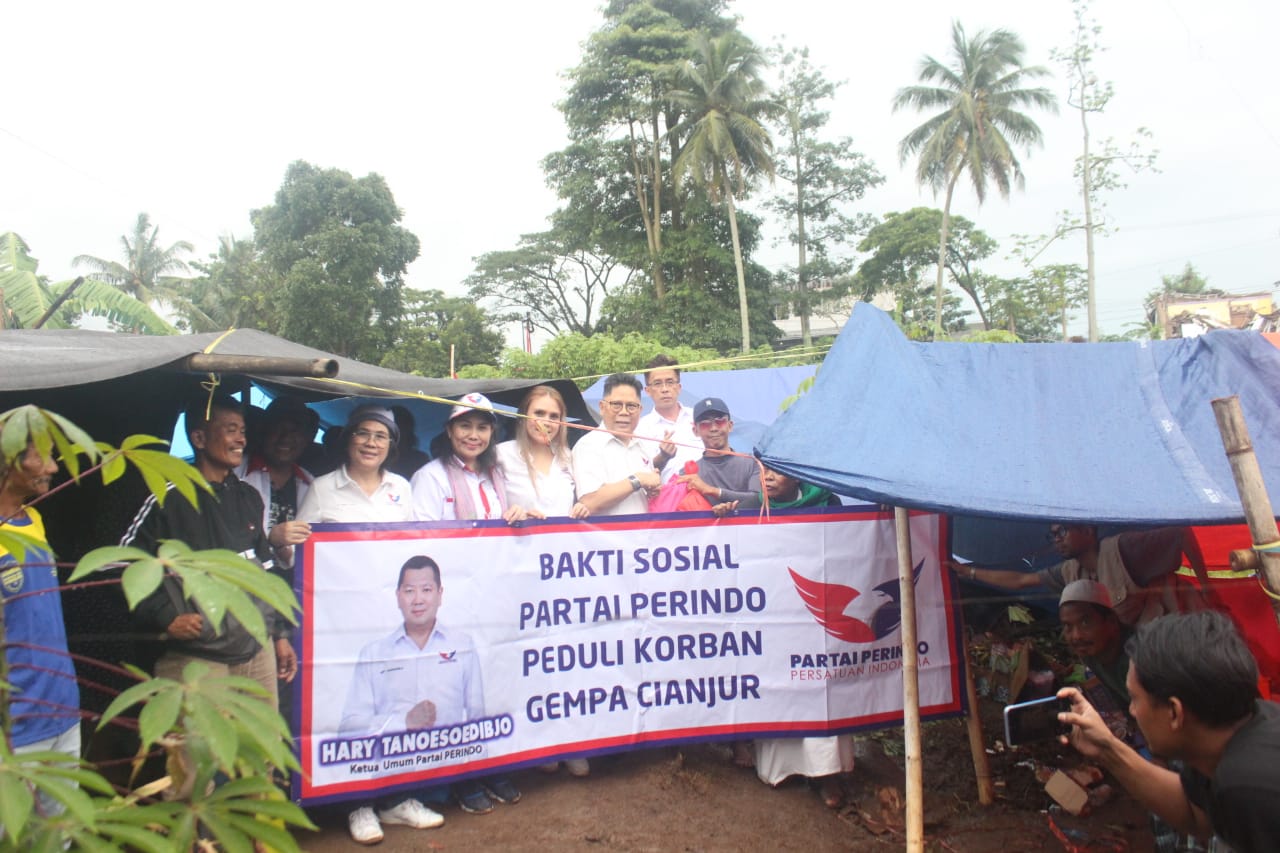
678,497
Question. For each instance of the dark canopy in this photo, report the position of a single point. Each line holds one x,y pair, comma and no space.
1108,433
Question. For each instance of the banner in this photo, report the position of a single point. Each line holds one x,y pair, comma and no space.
563,639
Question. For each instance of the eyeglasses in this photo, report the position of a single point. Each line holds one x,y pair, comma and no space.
617,406
1057,534
707,423
377,439
664,383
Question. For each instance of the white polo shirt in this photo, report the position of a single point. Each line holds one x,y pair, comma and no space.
600,457
337,497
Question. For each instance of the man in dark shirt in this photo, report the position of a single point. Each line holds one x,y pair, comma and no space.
723,477
1193,689
229,518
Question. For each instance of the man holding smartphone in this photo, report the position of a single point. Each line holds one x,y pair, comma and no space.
1194,694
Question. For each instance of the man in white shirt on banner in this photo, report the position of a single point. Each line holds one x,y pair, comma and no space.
670,424
613,469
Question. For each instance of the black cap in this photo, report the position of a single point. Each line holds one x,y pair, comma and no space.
293,410
709,406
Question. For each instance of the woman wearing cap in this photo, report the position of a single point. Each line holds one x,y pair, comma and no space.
536,463
362,489
464,480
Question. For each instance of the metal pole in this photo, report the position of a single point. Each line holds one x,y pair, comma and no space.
910,685
1253,492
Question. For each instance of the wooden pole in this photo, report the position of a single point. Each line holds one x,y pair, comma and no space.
266,365
910,685
977,741
1253,492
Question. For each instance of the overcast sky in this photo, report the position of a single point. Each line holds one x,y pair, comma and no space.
192,112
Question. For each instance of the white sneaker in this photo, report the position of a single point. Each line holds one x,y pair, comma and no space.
364,826
578,767
411,813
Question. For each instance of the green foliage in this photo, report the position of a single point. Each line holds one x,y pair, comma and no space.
205,725
993,336
585,359
434,323
29,296
335,244
234,290
904,247
146,273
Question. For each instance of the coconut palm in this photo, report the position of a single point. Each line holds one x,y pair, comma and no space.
980,96
721,92
147,273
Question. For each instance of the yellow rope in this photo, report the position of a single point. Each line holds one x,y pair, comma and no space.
777,356
1268,547
211,384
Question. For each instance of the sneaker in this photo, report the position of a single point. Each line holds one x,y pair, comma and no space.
473,800
578,767
364,826
501,789
411,813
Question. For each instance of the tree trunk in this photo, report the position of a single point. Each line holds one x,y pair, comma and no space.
659,275
737,263
802,288
1086,179
942,257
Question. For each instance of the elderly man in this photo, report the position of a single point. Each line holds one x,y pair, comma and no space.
1137,568
723,476
612,468
670,424
1194,694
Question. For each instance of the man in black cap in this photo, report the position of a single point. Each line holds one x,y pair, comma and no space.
273,470
723,477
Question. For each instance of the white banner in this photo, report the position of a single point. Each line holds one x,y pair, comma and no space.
562,639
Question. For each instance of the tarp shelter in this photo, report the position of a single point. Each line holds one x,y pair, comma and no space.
1106,433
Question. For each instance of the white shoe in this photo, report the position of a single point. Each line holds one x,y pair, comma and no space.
578,767
364,826
411,813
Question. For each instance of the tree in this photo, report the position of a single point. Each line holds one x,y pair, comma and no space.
434,323
824,176
146,273
1096,172
556,278
340,254
904,245
725,99
224,725
234,290
980,97
28,300
1037,306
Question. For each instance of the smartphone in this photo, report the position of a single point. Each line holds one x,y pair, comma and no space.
1027,722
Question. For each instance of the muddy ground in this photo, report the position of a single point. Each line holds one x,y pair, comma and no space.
695,799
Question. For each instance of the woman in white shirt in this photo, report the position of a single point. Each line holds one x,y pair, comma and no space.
361,489
536,463
464,480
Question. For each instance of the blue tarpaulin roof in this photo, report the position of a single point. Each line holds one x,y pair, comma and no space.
1109,433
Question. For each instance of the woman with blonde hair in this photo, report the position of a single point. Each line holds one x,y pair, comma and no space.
536,463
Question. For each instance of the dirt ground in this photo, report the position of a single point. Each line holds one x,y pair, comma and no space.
695,799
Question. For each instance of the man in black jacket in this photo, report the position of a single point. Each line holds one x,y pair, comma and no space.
230,518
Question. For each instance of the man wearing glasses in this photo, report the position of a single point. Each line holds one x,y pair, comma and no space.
612,468
722,478
670,424
1137,568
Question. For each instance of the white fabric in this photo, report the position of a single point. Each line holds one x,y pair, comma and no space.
688,444
551,494
433,495
393,675
336,497
600,457
778,758
260,479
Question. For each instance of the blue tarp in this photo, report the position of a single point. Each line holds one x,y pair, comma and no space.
1109,433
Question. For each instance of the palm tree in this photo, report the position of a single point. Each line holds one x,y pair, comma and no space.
147,273
723,96
980,95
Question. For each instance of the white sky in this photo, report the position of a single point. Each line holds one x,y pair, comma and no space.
192,113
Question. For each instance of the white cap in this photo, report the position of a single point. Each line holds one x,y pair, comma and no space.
474,402
1086,592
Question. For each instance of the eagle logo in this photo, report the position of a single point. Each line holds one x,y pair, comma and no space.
846,614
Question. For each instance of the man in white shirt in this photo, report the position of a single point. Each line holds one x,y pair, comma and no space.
670,424
613,469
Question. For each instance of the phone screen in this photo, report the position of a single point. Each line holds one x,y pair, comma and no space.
1026,722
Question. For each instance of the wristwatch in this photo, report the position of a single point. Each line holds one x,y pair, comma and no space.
634,481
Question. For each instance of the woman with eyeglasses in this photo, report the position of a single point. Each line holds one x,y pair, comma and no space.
361,488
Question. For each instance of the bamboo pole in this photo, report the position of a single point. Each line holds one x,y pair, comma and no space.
313,368
973,723
1253,492
910,685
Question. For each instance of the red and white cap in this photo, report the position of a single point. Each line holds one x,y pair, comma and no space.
473,402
